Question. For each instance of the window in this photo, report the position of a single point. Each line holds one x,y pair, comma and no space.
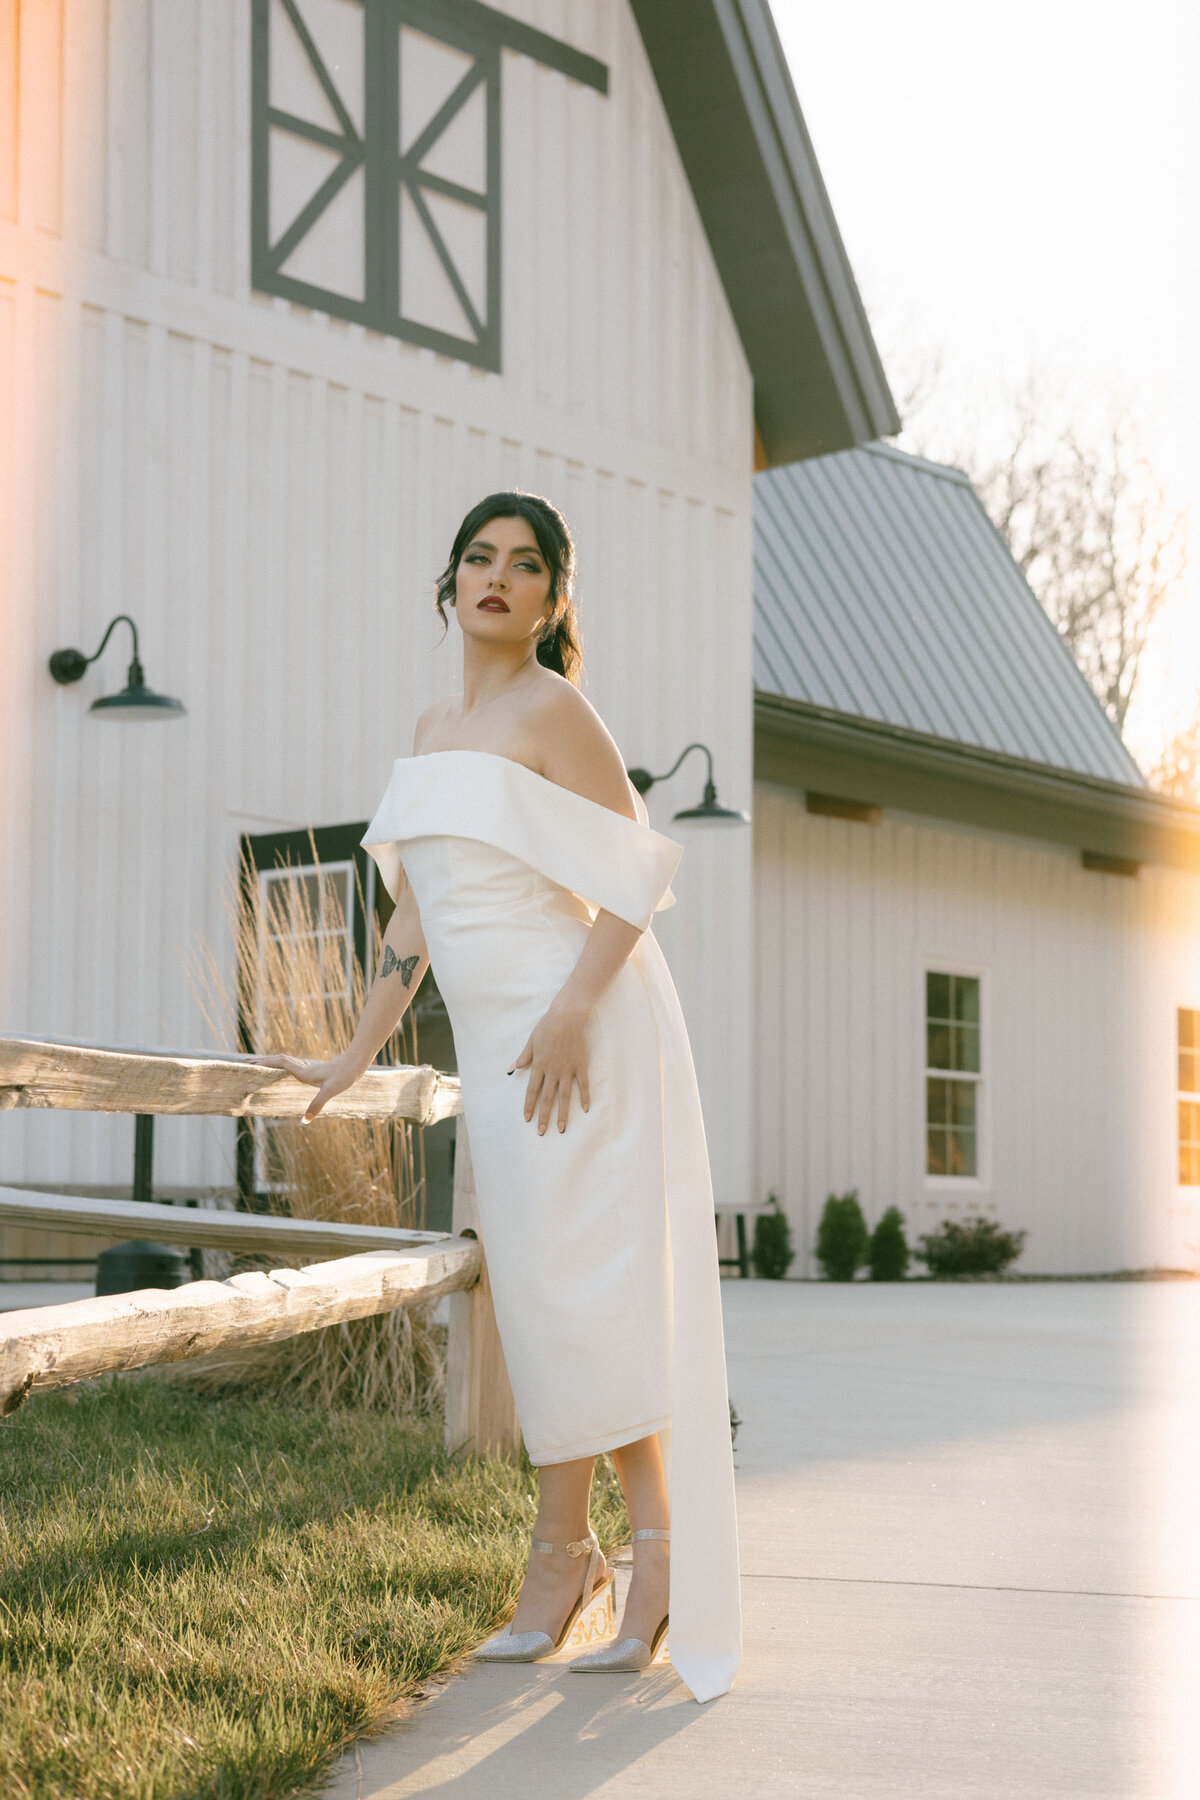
375,185
315,891
952,1074
312,904
1189,1097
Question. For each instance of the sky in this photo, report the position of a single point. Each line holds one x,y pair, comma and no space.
1021,188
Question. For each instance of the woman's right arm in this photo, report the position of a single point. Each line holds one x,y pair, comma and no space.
404,959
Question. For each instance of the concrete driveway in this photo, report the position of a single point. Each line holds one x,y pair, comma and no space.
970,1520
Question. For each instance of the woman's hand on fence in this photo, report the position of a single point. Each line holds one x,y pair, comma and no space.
556,1055
330,1078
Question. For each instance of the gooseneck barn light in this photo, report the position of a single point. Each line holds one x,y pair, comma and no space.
135,701
709,811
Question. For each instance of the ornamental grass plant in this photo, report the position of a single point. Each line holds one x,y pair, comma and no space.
298,991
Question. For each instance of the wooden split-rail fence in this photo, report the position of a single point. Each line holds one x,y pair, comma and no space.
371,1268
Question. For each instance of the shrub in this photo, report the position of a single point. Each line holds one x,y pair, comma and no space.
888,1252
842,1237
771,1251
973,1246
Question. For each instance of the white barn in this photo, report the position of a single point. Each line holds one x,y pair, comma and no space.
285,285
977,931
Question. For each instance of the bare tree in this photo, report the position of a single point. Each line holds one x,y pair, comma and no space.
1069,483
1177,770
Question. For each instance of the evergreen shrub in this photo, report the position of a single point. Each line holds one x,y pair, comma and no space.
842,1237
971,1246
888,1255
771,1251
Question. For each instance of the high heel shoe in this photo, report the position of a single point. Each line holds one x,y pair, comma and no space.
628,1654
531,1646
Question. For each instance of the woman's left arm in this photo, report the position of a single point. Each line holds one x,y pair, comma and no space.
555,1052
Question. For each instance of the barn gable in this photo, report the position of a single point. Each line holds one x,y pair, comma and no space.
901,658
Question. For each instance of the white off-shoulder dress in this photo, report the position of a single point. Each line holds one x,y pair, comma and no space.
600,1239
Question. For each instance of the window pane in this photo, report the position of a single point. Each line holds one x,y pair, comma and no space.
1189,1143
278,908
962,1103
937,1047
274,1170
935,1153
1188,1064
336,898
332,950
962,1152
937,1104
966,1048
965,998
1189,1029
937,996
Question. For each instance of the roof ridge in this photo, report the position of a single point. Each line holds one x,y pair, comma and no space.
923,464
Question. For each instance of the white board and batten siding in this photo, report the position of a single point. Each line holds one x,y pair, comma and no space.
1081,978
270,491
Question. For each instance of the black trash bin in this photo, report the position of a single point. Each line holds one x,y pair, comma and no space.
124,1268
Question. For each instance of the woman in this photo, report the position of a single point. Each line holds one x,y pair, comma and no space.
523,865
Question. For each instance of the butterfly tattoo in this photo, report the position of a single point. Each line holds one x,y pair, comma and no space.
405,964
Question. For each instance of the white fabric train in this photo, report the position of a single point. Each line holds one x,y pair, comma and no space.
600,1241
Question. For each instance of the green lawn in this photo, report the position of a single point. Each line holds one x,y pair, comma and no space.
210,1597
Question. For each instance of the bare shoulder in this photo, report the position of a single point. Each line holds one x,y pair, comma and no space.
578,751
427,724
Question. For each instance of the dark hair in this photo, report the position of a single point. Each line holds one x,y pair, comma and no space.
560,647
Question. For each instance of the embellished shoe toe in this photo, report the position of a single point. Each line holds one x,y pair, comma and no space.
521,1646
508,1646
629,1654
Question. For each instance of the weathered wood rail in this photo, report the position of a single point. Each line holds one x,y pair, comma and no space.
380,1268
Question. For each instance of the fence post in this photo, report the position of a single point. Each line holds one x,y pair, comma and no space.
481,1416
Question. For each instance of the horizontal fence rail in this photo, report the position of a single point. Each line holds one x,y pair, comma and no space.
86,1078
55,1346
201,1227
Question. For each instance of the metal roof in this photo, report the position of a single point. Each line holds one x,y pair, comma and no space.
728,93
883,591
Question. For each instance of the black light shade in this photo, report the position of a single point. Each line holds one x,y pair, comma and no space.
135,702
710,811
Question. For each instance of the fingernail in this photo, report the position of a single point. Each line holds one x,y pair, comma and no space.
510,1071
561,1126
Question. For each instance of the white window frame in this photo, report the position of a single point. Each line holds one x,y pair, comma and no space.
979,1183
1190,1189
267,877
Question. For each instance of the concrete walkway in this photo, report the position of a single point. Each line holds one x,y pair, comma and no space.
970,1523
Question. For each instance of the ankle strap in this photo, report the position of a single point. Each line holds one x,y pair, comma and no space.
579,1548
651,1531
